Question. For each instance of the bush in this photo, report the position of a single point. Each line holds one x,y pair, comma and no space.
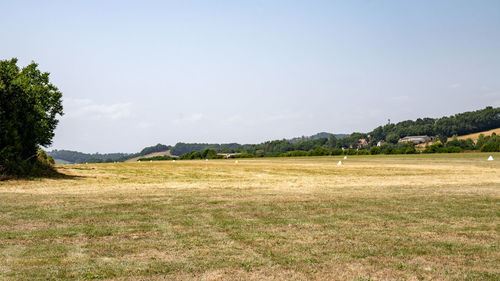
319,151
467,144
350,151
434,148
410,150
295,153
453,149
388,150
375,150
243,155
440,148
337,151
41,165
490,147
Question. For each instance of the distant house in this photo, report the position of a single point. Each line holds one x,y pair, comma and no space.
362,142
359,144
380,143
416,139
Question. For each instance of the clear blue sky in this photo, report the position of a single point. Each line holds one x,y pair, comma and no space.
137,73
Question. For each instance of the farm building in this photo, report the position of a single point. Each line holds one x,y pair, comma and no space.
416,139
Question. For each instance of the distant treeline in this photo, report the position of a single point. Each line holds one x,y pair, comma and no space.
322,135
323,147
330,144
458,124
79,157
271,147
182,148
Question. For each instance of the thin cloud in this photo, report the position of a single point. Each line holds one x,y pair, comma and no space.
86,108
400,99
195,117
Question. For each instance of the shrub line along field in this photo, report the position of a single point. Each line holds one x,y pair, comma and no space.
384,217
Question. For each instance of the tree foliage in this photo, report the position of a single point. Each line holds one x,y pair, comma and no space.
29,105
458,124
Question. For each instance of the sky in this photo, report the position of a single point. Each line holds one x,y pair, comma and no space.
138,73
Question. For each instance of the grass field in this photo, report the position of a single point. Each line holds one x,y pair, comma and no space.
475,136
412,217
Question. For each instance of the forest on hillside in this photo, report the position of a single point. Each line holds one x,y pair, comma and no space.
444,127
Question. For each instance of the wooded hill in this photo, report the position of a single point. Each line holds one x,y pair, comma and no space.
79,157
458,124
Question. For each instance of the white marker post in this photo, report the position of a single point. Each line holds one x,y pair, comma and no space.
490,158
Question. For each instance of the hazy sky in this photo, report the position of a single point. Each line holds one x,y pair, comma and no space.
137,73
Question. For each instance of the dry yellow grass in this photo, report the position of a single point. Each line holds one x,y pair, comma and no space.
475,136
414,217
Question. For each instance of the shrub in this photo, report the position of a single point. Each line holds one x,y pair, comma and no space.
319,151
440,148
410,150
453,149
434,148
388,150
490,147
295,153
374,150
363,152
243,155
337,151
350,151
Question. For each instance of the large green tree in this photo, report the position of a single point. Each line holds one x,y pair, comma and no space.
29,105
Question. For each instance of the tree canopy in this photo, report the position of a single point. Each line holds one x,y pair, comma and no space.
29,105
458,124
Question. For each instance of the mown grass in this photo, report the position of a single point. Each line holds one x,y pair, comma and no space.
417,217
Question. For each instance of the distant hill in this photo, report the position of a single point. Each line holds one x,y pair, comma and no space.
150,155
317,136
69,156
59,161
459,124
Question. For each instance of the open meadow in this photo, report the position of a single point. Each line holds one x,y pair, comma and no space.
387,217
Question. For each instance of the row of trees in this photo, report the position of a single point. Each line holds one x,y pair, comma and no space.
333,146
272,147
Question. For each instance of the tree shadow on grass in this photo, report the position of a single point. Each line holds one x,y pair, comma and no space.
52,173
